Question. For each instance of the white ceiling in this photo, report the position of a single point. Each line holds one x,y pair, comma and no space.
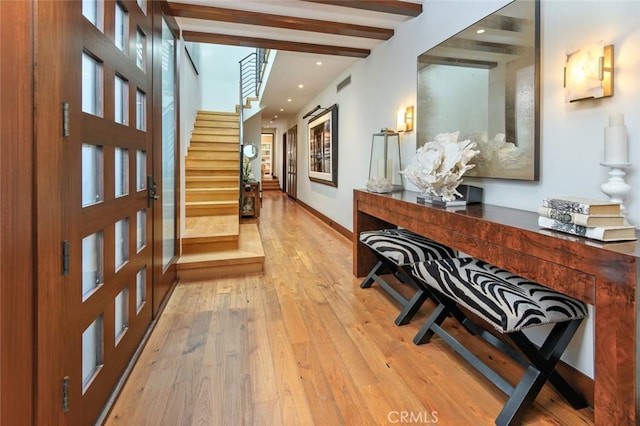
291,69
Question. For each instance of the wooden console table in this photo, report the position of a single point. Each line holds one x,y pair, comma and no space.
250,199
604,275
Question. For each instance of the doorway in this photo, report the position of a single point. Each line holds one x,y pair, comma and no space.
267,145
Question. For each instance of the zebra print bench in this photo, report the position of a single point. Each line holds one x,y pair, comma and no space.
509,304
396,250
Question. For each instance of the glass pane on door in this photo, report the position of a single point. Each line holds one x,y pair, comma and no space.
92,352
141,167
93,10
122,242
121,314
141,234
91,85
141,50
91,174
141,110
168,147
121,96
122,28
92,264
141,288
122,172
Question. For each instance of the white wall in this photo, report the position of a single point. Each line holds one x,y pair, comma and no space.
251,129
221,63
571,134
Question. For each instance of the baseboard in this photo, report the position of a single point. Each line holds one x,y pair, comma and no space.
341,229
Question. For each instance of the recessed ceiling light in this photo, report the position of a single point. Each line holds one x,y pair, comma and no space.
300,86
275,116
289,100
480,31
319,63
281,109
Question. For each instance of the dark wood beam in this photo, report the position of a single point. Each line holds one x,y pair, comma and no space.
220,14
232,40
387,6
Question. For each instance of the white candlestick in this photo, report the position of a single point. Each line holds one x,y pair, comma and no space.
616,188
616,149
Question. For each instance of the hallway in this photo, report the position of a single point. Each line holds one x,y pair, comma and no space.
303,345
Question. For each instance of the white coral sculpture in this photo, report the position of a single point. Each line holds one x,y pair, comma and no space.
438,166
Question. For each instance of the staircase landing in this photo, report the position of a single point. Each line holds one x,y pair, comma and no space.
209,233
247,257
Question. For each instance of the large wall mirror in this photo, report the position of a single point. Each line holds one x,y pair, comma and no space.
484,82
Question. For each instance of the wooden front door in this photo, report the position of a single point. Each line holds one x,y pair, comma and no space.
98,146
292,162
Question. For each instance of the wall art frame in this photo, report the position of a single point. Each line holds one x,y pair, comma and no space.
322,147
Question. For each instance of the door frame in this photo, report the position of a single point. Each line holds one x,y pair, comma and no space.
285,183
164,280
17,276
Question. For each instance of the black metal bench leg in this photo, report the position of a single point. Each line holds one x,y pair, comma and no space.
455,312
522,397
540,357
536,375
412,307
369,279
436,317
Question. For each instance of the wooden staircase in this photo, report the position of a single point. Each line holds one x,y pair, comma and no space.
215,243
212,166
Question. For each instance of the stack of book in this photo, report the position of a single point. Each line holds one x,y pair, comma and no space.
599,220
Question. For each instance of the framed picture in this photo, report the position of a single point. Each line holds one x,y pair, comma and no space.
323,147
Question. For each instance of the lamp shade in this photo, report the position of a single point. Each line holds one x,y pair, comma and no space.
384,162
589,72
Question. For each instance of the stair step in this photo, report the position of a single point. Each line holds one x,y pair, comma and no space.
206,130
202,147
211,208
270,185
199,154
221,115
247,258
211,127
208,181
212,163
220,169
216,123
212,194
215,173
210,138
210,233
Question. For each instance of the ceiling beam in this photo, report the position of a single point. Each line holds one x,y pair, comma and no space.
232,40
386,6
220,14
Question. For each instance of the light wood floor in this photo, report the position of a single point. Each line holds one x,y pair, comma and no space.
302,344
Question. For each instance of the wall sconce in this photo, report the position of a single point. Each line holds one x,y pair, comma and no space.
588,72
404,119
